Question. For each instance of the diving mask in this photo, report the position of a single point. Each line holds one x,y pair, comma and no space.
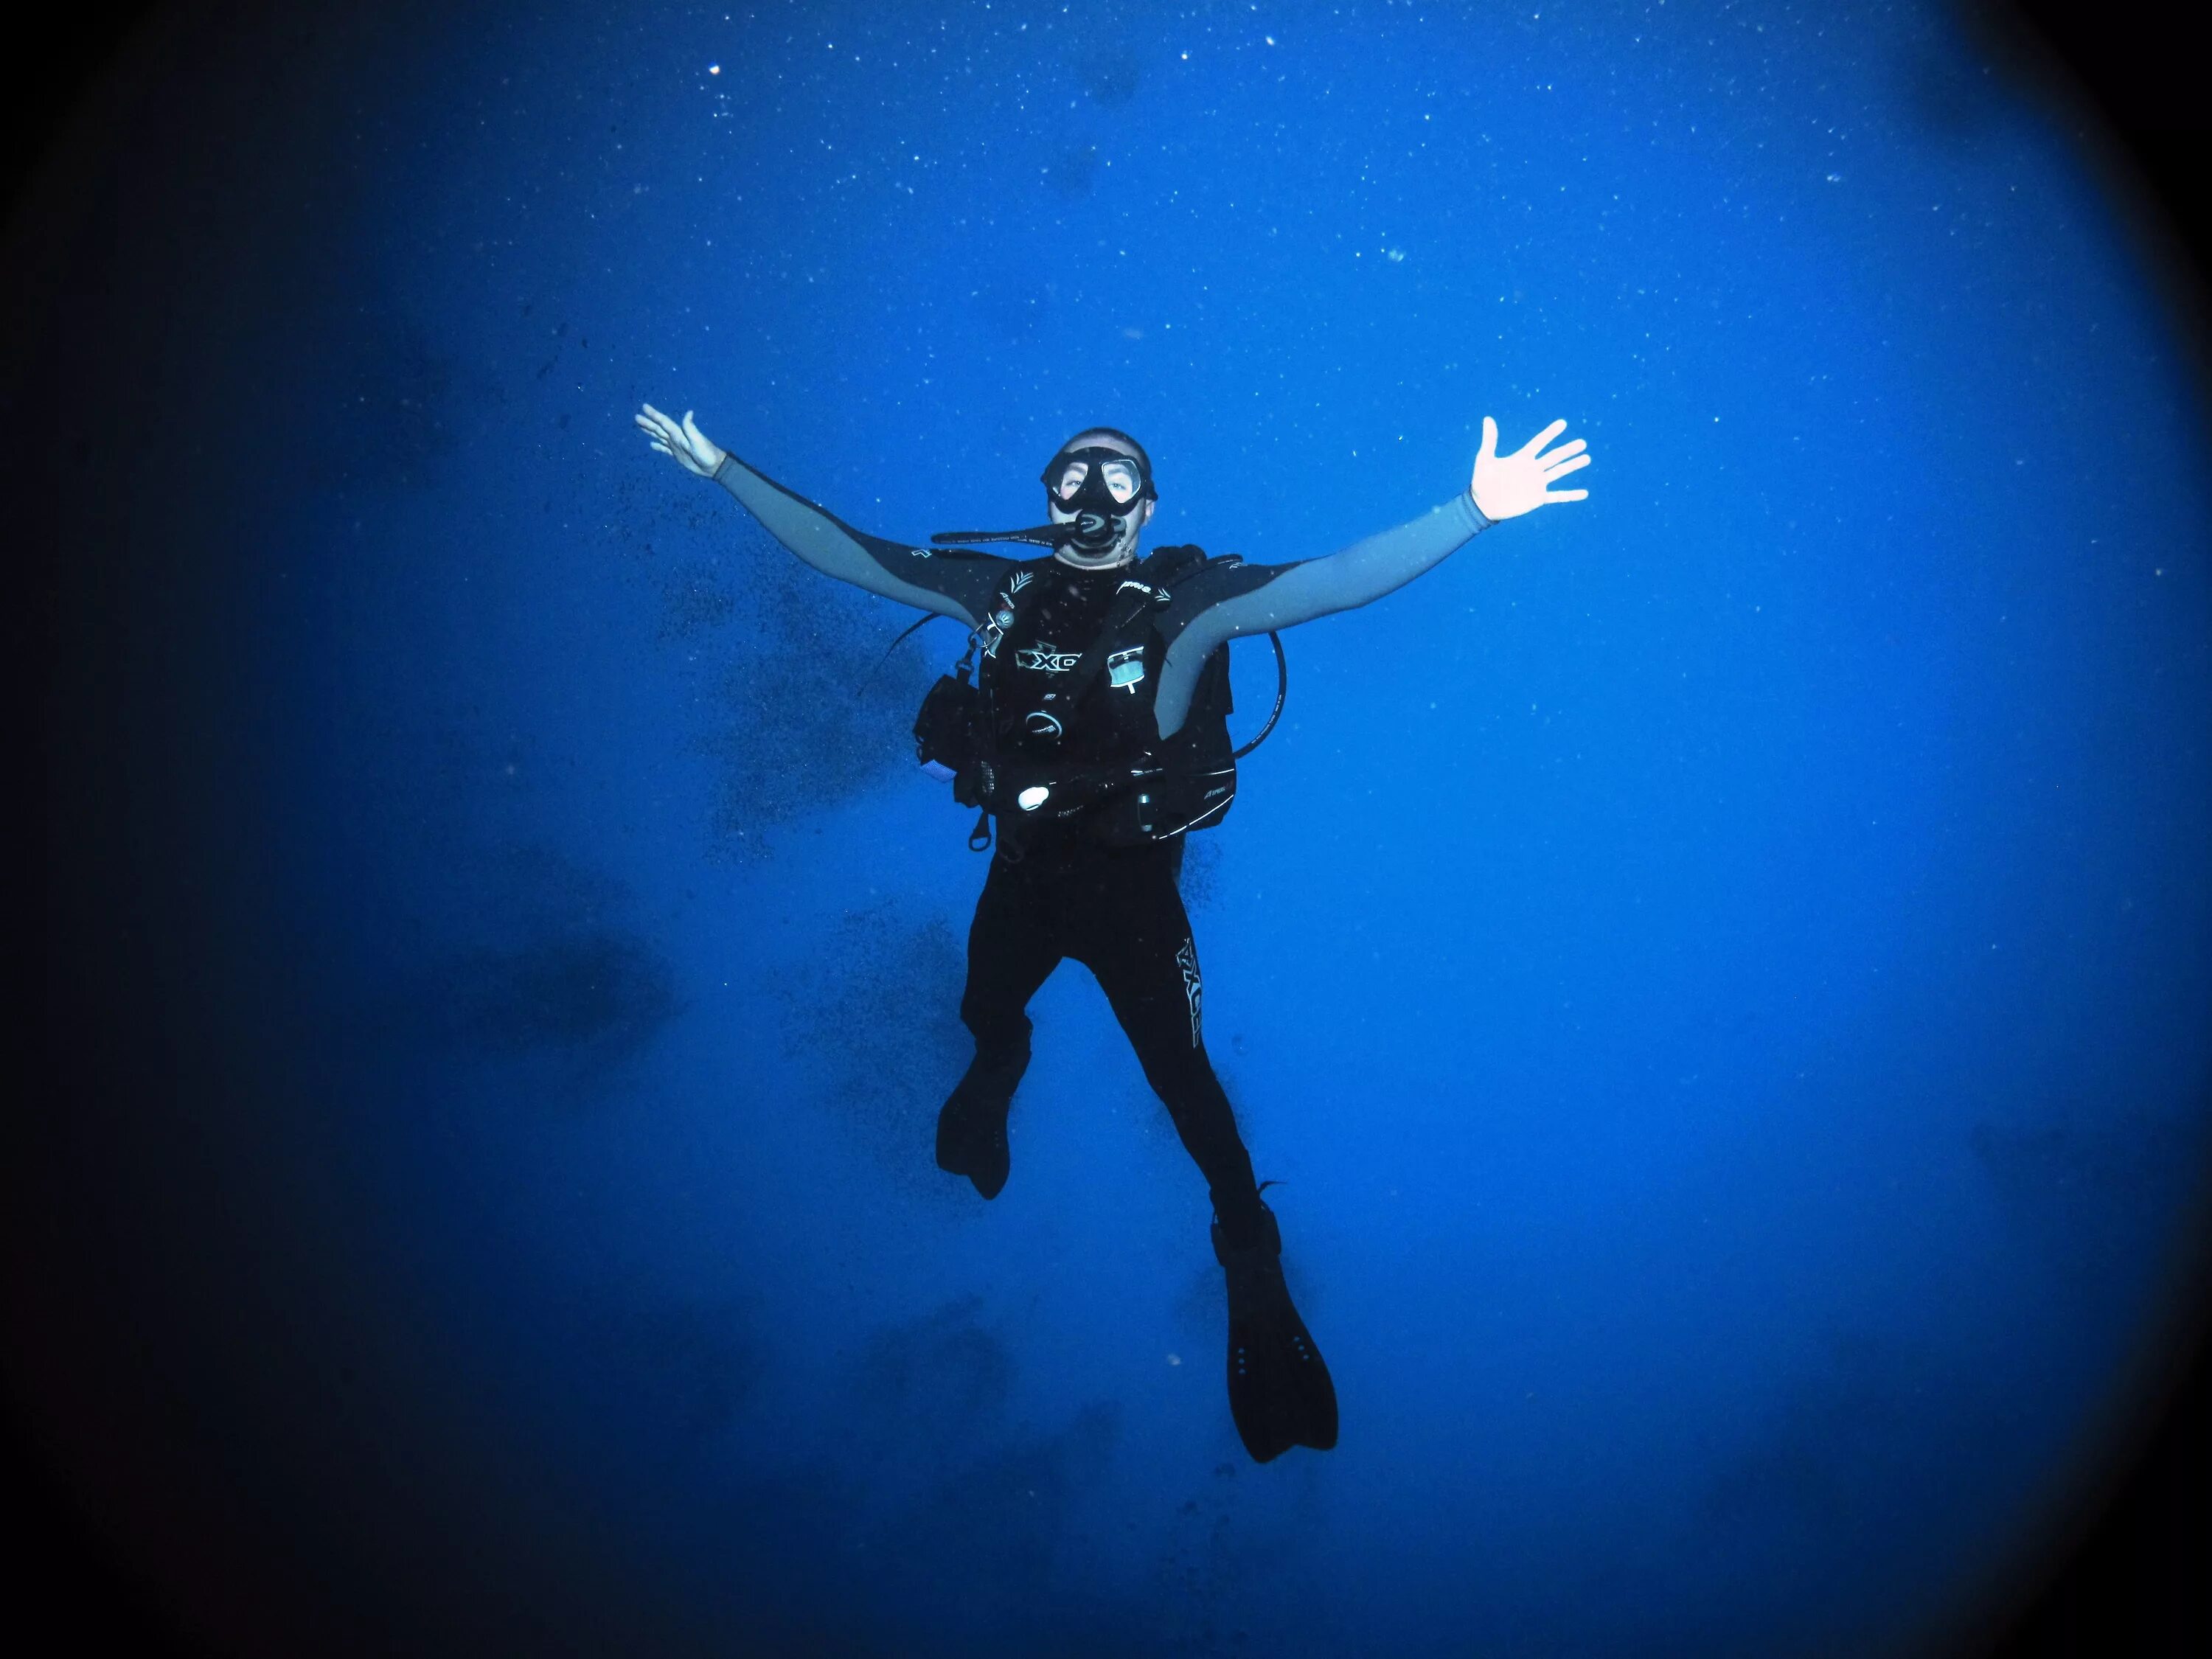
1095,492
1098,489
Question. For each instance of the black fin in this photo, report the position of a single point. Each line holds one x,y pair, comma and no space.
1280,1389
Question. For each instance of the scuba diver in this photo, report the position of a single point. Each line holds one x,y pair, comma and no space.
1095,737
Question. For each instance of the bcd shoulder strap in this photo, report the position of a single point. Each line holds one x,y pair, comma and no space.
1140,597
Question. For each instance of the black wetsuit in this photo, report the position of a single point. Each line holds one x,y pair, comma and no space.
1116,910
1056,891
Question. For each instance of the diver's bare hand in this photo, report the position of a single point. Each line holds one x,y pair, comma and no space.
693,449
1506,486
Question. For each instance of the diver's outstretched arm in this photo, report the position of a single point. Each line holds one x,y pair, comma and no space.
1258,599
953,582
1266,597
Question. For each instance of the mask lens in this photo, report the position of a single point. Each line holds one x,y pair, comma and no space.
1071,480
1122,481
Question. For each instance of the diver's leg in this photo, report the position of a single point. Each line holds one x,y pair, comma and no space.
1135,936
1139,944
1011,948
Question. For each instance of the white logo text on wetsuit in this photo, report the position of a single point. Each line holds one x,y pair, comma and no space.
1187,959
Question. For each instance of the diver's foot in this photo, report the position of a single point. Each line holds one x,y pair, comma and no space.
1279,1390
971,1140
971,1128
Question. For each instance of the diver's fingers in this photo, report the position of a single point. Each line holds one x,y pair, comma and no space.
1565,467
652,413
1489,450
1566,494
1542,438
1553,456
662,447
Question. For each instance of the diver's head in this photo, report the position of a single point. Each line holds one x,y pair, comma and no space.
1101,480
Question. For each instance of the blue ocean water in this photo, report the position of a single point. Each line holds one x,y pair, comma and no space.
1717,969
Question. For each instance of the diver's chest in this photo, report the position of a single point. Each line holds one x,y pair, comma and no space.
1037,680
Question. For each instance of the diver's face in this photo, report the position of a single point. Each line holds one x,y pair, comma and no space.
1123,481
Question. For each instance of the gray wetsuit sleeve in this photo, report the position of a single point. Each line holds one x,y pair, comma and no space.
1258,599
950,581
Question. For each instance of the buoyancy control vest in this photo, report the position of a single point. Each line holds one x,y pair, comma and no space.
1092,765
